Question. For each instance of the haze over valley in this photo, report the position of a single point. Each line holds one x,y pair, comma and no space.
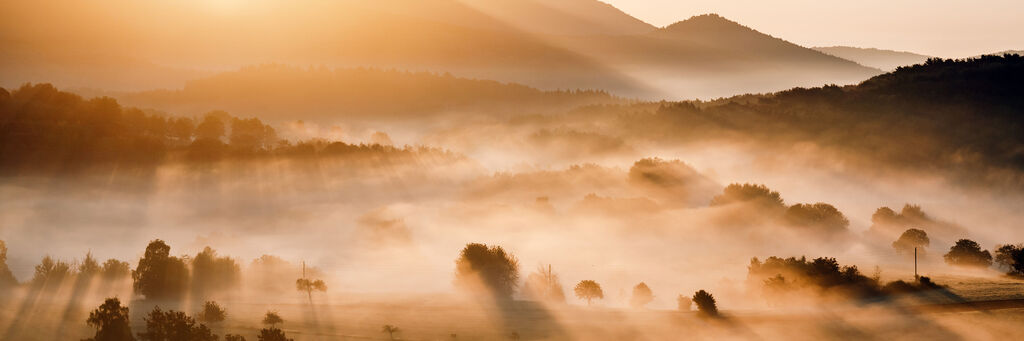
496,170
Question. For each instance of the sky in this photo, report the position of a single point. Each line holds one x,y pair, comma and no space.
944,28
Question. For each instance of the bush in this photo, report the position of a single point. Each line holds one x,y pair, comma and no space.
705,303
212,313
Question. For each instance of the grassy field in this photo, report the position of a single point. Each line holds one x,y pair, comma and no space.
444,317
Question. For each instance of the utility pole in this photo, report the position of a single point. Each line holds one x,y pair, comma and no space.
915,264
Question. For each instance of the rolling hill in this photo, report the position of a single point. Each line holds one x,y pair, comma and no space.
548,45
887,60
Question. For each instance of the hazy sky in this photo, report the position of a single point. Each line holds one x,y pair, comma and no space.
947,28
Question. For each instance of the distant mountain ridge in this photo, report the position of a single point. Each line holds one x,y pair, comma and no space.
276,92
567,44
887,60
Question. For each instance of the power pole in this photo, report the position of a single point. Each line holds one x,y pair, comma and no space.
915,264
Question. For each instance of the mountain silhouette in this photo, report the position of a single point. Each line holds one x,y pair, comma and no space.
887,60
544,44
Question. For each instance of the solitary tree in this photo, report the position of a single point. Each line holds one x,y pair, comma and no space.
309,285
910,239
111,322
89,267
480,268
641,295
391,330
588,290
705,303
272,319
967,252
158,275
685,303
544,285
212,313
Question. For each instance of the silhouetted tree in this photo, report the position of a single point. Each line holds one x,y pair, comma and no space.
684,303
543,285
1011,257
174,326
250,134
910,239
309,285
272,319
212,274
115,270
51,273
748,193
212,126
967,252
705,303
391,330
89,267
817,218
181,130
480,268
641,295
7,279
212,313
272,334
158,275
588,290
111,322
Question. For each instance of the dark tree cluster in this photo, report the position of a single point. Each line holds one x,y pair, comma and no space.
1011,258
212,274
111,321
480,268
161,276
756,194
968,253
42,128
887,222
51,273
778,277
819,220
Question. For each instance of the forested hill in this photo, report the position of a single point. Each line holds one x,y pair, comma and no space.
279,92
954,117
44,130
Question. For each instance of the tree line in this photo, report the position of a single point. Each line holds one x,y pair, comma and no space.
42,128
